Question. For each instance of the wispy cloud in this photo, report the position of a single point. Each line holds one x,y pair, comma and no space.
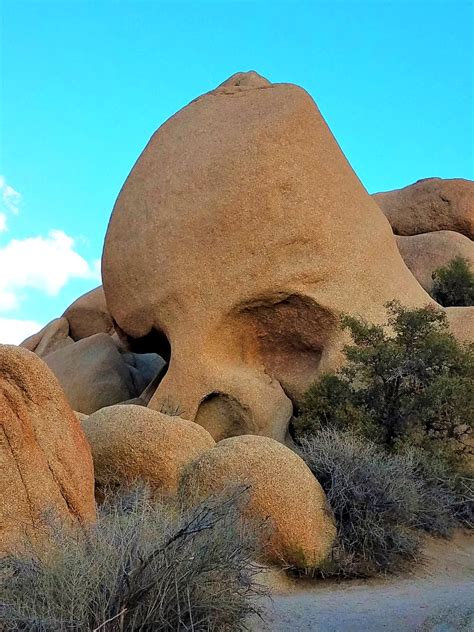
41,263
10,200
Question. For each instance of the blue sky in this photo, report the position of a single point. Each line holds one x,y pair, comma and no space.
85,84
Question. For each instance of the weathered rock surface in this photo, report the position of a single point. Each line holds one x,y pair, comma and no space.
45,461
54,336
283,493
429,205
427,252
238,239
94,373
88,315
461,322
132,443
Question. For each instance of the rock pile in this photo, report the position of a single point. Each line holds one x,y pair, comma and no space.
240,237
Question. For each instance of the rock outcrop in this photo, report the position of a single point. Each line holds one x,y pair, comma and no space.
429,205
283,495
94,372
238,239
133,443
88,315
46,468
427,252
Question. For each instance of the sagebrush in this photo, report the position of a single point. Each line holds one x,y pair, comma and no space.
375,499
142,567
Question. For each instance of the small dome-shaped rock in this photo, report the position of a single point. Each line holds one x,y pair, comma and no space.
283,491
133,443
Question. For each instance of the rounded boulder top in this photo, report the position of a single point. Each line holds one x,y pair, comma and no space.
282,493
133,443
250,79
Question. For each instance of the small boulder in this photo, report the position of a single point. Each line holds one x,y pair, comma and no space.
133,443
45,461
425,253
429,205
88,315
53,336
95,373
283,491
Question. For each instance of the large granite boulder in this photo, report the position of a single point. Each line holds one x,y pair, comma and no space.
46,471
239,238
427,252
88,315
284,496
94,372
429,205
133,443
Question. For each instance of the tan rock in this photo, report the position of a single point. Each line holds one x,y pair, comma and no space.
249,79
54,336
237,241
461,322
131,443
94,373
88,315
283,492
45,461
427,252
429,205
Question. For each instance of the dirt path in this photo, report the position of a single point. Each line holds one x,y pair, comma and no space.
439,599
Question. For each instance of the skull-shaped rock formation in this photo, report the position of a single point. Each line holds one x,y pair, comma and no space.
239,238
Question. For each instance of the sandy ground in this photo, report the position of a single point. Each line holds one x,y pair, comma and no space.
438,598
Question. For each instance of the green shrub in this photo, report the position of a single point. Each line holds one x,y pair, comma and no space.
375,498
140,568
453,284
410,383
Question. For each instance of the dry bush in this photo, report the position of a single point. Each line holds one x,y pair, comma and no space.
142,567
375,500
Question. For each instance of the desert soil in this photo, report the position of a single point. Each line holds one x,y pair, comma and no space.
439,597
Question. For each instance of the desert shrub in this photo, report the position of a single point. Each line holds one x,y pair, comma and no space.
375,499
408,383
140,568
453,284
447,494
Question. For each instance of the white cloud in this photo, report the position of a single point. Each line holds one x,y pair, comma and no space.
13,331
10,199
42,263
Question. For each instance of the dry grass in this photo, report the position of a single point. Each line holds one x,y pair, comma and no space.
143,567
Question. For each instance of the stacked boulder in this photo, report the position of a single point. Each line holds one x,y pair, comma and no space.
87,357
240,237
433,220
